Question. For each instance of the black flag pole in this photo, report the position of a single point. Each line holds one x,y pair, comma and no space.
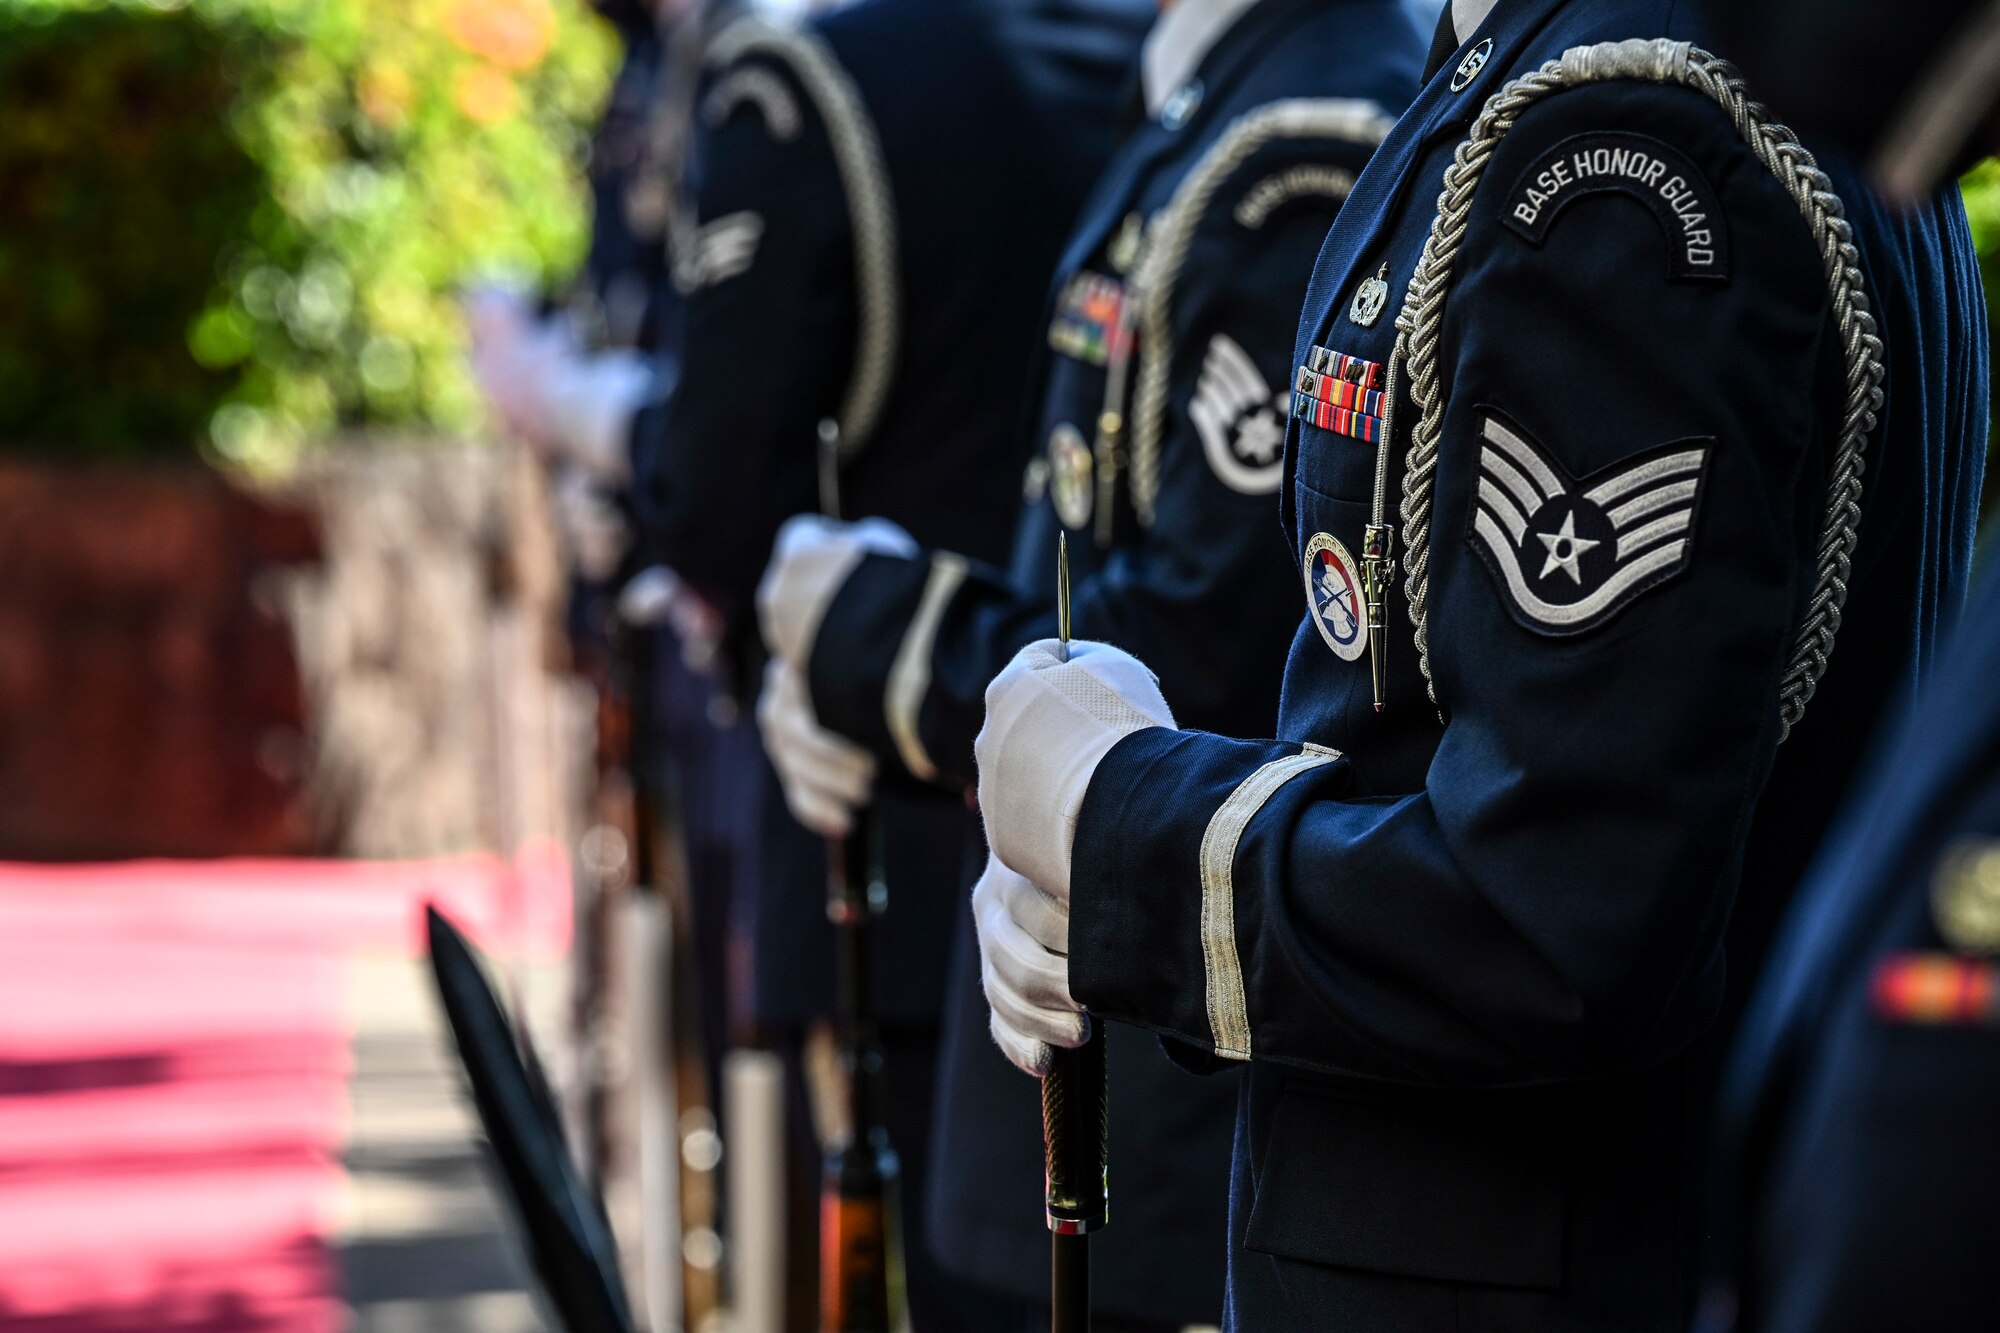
563,1229
1075,1130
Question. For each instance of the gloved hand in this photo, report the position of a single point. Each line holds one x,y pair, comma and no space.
587,402
508,338
810,560
1024,968
826,777
573,406
658,596
1048,723
593,530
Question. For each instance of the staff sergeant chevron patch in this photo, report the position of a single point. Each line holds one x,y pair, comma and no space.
720,250
1240,421
1568,554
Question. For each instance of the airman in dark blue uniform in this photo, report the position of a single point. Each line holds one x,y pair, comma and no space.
879,197
1854,1141
1856,1151
1157,432
1912,89
1587,377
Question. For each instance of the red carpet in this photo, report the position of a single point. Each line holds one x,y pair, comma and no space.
173,1056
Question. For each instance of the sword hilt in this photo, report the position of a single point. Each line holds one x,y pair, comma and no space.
1076,1138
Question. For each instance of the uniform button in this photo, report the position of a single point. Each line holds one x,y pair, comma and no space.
1181,104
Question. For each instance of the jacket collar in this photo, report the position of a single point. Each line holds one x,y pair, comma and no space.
1230,58
1440,107
1182,38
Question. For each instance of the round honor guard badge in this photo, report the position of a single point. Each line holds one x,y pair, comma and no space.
1370,299
1468,68
1965,897
1072,476
1333,596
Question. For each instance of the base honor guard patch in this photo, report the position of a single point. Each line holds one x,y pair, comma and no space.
1333,597
1088,324
1656,175
1569,554
1340,393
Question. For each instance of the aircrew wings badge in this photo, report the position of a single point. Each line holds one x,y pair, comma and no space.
1568,554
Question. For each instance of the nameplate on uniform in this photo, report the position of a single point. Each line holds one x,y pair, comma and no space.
1340,393
1654,173
1089,323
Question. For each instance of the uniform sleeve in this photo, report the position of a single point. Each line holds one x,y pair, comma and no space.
767,344
1548,904
906,650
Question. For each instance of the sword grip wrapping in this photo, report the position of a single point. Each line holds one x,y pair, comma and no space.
1076,1137
861,1261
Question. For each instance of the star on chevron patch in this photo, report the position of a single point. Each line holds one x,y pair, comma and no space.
1569,553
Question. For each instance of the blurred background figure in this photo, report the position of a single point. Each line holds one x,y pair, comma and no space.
878,198
1855,1117
1914,91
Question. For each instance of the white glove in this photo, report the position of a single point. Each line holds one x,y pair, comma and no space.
593,530
587,403
573,406
508,341
810,560
1024,967
658,596
1048,724
826,777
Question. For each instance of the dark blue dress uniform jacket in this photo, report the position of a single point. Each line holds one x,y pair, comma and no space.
993,118
1857,1126
1471,949
1201,592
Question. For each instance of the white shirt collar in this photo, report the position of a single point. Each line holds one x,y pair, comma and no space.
1467,15
1182,37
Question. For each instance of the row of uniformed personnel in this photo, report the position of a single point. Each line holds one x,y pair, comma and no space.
1611,413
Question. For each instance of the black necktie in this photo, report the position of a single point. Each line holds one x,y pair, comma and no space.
1443,43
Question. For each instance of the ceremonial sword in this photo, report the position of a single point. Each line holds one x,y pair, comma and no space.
861,1259
1075,1138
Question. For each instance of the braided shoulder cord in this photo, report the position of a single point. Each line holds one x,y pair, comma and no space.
1422,318
857,154
1342,120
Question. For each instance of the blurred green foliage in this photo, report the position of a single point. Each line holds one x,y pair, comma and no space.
1982,205
243,224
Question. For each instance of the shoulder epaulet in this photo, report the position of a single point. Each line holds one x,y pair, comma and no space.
857,153
1339,120
1679,64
